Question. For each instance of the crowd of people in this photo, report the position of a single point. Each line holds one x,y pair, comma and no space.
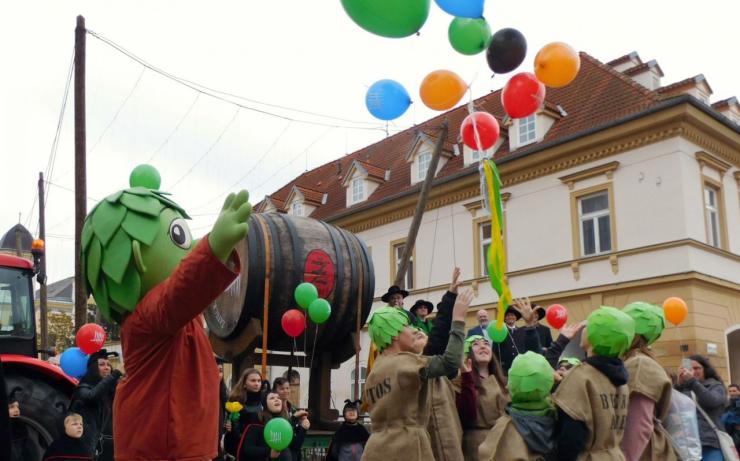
438,392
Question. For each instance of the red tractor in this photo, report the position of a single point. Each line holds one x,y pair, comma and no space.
42,389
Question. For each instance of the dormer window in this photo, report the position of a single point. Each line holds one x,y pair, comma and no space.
358,190
425,158
296,209
527,128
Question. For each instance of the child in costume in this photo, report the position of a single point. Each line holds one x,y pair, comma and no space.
397,387
70,445
147,273
649,386
482,394
592,398
349,441
526,432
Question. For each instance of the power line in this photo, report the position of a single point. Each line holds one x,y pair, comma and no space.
177,127
216,93
69,189
118,111
218,138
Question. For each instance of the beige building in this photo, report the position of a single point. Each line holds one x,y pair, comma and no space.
619,189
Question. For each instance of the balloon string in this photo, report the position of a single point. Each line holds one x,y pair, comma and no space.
471,111
305,344
297,360
313,349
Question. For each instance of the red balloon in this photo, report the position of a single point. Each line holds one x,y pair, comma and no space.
522,95
90,338
557,315
487,127
293,322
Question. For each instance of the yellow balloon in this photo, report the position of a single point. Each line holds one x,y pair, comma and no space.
556,64
442,89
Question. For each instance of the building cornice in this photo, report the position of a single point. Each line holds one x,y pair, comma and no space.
606,169
705,159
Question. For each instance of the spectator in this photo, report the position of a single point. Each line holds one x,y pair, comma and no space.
348,443
252,446
20,448
70,445
421,309
702,381
223,397
93,400
394,297
248,392
731,418
542,331
482,328
518,340
281,386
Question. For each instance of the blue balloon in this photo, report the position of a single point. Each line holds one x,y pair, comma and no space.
73,362
462,8
387,99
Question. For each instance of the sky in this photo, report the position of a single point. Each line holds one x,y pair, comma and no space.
299,68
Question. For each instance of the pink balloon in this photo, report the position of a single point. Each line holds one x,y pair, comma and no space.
90,338
522,95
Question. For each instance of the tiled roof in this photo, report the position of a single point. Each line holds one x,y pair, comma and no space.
310,195
373,171
640,68
599,95
724,103
675,88
623,59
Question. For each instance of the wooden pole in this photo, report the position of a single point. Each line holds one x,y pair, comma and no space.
420,205
266,300
80,169
42,273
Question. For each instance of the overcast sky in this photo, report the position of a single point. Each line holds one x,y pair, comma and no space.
304,55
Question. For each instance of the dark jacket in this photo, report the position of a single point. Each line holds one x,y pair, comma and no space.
731,420
253,447
441,325
348,443
517,342
545,336
93,400
537,432
67,448
247,416
710,395
21,445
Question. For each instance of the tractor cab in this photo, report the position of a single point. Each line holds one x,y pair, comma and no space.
17,319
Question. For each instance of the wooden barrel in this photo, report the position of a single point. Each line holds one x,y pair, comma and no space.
290,250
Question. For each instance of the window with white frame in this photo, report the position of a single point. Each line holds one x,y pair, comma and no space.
361,382
527,129
595,223
409,279
425,158
484,236
711,208
358,190
297,209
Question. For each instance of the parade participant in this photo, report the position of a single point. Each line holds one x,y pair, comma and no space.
542,331
518,340
709,393
526,431
394,298
252,446
592,398
248,392
482,395
565,365
147,273
348,443
421,309
70,445
649,386
397,387
482,328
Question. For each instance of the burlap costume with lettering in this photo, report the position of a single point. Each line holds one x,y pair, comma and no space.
504,442
444,427
587,395
399,409
491,404
648,378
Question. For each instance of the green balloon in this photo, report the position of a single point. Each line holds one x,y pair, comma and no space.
145,176
497,335
319,311
278,434
469,36
388,18
305,294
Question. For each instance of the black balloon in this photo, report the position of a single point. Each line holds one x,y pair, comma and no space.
507,50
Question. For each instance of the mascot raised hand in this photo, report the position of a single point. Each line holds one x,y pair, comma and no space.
147,273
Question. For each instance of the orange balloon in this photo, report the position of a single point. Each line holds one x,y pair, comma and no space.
675,310
556,64
442,89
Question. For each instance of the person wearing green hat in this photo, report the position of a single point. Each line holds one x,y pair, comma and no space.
592,398
527,429
397,388
482,395
649,386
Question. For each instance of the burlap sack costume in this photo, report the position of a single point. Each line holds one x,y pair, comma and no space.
503,442
491,403
444,427
648,378
587,395
399,409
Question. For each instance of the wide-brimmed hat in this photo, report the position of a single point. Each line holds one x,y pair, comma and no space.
422,303
395,289
513,310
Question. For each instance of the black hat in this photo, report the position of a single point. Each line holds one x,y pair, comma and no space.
351,405
392,291
513,310
540,311
422,303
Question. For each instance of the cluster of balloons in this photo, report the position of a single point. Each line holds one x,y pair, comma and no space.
307,297
90,339
675,310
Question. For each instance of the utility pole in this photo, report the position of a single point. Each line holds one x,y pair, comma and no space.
42,273
80,169
420,205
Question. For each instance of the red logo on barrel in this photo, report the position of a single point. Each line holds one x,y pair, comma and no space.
320,271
